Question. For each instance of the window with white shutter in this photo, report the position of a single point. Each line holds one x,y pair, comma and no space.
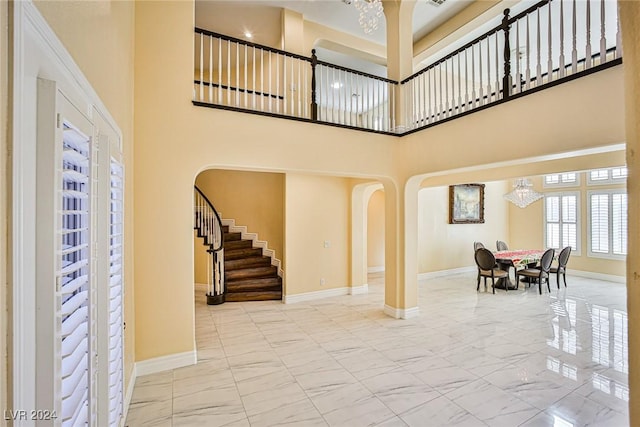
562,223
116,224
79,280
608,223
74,276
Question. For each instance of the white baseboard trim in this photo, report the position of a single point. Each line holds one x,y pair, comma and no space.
401,313
598,276
378,269
308,296
441,273
357,290
128,395
165,363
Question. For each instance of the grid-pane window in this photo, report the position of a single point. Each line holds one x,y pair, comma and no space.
619,173
561,220
599,175
608,223
565,179
607,176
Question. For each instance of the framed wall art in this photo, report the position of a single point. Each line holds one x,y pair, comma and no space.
466,204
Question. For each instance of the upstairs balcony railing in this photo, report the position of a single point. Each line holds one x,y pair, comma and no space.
548,43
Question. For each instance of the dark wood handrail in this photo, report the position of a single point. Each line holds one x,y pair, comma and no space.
250,44
360,73
454,53
218,220
528,11
499,27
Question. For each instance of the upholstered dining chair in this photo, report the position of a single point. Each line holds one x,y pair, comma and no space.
477,245
486,262
501,246
541,272
563,259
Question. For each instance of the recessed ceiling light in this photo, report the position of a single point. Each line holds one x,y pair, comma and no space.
248,34
336,85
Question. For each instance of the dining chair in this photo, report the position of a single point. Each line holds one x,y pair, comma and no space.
563,259
541,272
477,245
486,262
501,246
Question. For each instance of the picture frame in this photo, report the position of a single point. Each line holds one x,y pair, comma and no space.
466,204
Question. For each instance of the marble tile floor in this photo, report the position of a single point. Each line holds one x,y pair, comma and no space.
471,359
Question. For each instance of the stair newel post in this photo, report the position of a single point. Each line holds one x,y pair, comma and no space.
314,104
506,80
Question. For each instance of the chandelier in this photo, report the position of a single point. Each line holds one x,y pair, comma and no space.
370,14
523,194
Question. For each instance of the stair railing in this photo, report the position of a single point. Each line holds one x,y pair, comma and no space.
548,43
209,227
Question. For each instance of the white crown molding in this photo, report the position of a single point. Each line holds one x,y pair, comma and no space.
165,363
401,313
378,269
441,273
128,395
598,276
256,243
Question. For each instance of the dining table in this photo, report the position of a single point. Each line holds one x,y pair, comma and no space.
519,258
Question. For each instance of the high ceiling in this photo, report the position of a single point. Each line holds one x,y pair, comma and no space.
263,19
336,14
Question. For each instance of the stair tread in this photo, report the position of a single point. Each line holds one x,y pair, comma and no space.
232,237
253,296
249,274
233,254
246,262
253,281
265,271
236,244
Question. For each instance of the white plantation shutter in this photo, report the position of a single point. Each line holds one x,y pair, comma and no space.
608,223
570,222
79,280
600,223
115,294
74,276
619,224
561,220
552,204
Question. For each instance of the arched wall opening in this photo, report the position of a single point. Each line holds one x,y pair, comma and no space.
254,200
426,219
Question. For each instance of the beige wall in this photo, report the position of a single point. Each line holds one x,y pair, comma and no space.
375,230
582,113
444,246
317,211
99,36
630,17
527,229
4,192
200,259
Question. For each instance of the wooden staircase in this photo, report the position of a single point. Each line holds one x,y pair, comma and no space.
249,275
